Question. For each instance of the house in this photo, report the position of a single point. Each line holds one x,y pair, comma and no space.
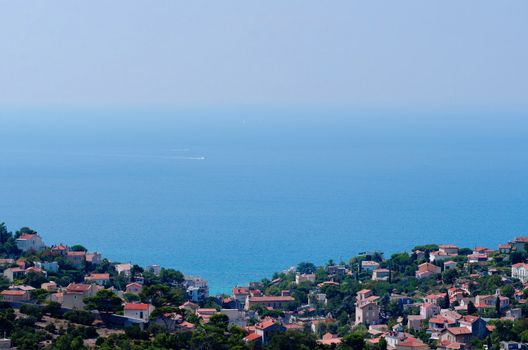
30,242
13,296
60,250
330,339
367,309
490,301
98,278
427,270
125,269
337,270
197,288
240,294
317,298
275,302
254,338
436,299
381,274
77,259
49,286
14,273
50,266
206,313
448,249
428,310
477,258
367,265
155,269
520,271
305,277
438,323
138,311
236,317
75,294
404,341
35,270
476,324
450,265
267,328
189,306
505,248
414,322
94,258
401,299
439,256
456,335
133,288
519,243
197,294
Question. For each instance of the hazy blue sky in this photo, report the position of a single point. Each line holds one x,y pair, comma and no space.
273,52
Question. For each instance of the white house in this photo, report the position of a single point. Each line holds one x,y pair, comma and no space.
138,311
30,241
123,268
520,271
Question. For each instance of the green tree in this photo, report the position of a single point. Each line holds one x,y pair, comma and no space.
306,267
219,320
471,309
78,248
104,301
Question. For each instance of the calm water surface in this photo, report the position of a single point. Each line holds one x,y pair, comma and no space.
235,196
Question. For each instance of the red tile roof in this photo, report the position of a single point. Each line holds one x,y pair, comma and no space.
97,276
138,307
12,292
78,288
459,330
271,299
265,324
252,337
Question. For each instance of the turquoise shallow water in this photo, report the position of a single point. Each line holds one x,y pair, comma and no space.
235,196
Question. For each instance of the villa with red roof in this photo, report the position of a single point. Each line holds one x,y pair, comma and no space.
30,242
275,302
427,270
12,295
138,311
75,294
98,278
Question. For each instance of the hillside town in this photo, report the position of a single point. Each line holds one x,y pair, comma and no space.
436,296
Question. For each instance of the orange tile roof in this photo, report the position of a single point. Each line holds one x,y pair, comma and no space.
271,299
139,307
252,337
78,288
97,276
13,292
459,330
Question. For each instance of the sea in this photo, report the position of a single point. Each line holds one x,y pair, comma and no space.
236,194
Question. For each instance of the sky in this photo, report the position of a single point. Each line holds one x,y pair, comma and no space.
263,53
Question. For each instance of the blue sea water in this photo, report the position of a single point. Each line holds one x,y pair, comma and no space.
235,195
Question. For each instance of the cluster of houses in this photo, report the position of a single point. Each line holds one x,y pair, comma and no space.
443,315
72,296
